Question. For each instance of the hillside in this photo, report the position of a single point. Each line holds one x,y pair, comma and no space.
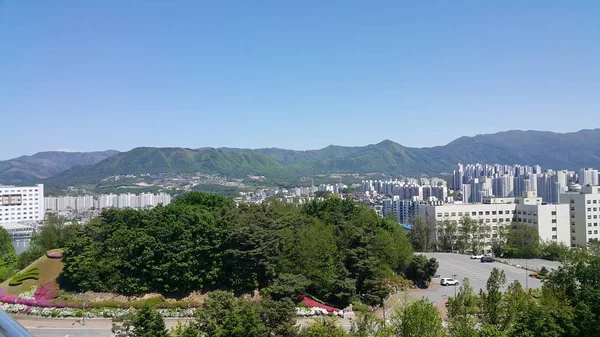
234,163
550,150
26,169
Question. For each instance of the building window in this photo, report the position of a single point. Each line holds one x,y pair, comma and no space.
519,212
553,212
589,232
553,220
507,219
589,202
553,237
460,213
500,212
501,220
589,209
519,219
453,214
473,213
446,214
487,220
596,231
480,212
439,215
589,224
554,229
589,216
487,212
595,209
595,201
493,212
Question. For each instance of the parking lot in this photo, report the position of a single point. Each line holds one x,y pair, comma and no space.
477,273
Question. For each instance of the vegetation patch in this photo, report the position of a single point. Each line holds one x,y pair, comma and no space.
31,274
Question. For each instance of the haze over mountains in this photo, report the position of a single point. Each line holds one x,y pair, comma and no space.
550,150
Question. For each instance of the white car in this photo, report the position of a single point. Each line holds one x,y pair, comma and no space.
448,281
476,257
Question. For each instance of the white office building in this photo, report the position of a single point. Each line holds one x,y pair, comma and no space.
585,214
496,214
21,203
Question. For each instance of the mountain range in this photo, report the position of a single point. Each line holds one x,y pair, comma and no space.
550,150
26,169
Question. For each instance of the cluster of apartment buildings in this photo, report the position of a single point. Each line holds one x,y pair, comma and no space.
87,202
564,206
406,189
477,181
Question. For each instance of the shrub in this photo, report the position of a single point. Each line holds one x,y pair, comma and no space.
53,254
31,274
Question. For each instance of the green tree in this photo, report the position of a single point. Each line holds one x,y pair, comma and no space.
421,270
8,257
418,319
515,301
147,322
462,311
492,309
278,317
326,327
447,236
490,331
422,235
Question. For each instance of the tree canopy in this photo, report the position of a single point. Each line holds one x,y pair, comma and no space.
333,249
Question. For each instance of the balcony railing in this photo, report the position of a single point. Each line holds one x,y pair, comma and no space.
11,328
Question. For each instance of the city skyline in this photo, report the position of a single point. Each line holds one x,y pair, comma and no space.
115,72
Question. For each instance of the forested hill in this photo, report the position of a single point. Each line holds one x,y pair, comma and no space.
550,150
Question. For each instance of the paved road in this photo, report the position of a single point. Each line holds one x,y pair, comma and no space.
534,264
477,273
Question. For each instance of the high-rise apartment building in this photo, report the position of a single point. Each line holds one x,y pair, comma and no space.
588,176
21,203
584,214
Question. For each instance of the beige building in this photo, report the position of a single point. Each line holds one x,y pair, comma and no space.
551,220
584,214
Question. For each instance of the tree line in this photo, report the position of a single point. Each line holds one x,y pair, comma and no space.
335,250
568,304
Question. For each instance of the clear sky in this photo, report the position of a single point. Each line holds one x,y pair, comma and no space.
95,75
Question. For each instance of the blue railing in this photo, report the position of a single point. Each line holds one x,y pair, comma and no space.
11,328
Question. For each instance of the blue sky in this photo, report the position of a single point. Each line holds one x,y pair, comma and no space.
94,75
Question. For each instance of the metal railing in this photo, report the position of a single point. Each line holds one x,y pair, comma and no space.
11,328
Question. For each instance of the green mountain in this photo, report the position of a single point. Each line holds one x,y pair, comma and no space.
550,150
26,169
229,162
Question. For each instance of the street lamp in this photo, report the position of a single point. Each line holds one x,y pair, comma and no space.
82,310
454,278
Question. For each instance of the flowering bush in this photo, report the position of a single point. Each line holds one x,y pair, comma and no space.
47,291
53,254
90,313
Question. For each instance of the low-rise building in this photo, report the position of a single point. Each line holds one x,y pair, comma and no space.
20,235
497,215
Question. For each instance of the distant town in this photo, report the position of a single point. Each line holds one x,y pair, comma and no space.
564,206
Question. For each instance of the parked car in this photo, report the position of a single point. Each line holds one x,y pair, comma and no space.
448,281
487,259
476,257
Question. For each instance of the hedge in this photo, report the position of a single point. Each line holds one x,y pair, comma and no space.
31,274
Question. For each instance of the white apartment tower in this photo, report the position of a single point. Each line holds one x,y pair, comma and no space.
588,176
21,203
584,214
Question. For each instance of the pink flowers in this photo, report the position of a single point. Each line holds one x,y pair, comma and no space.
47,291
53,255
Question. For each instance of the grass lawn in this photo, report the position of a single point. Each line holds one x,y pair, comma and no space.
49,270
